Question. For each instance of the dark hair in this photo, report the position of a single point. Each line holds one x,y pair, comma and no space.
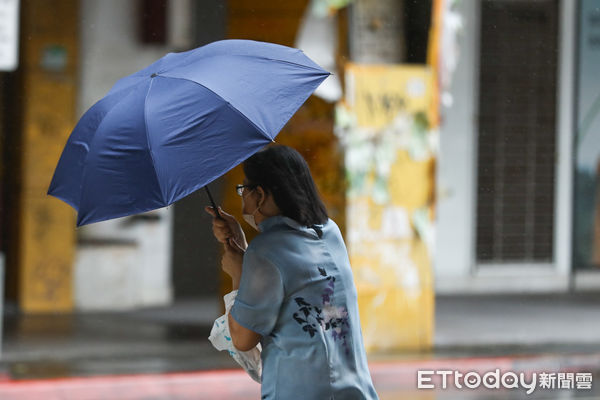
281,171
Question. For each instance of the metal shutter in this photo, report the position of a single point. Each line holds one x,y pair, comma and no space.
516,145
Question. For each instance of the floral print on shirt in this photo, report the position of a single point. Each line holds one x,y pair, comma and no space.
328,317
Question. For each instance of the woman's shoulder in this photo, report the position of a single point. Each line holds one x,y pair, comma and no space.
265,243
333,227
331,224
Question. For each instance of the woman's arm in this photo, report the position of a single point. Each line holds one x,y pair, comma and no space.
243,338
229,232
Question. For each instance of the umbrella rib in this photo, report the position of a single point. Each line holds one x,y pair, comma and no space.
288,62
304,66
266,135
91,144
162,194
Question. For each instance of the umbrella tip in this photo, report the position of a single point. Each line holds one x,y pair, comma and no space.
154,75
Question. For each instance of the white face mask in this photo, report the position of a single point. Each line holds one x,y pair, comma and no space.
249,218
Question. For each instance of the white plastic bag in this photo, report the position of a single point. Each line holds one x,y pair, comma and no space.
221,340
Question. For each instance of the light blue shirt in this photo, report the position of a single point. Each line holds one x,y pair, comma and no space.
297,291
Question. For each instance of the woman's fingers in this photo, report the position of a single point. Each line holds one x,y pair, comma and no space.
232,245
225,215
221,228
222,213
220,223
222,235
227,227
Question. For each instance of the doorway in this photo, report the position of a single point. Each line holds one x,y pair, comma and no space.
516,151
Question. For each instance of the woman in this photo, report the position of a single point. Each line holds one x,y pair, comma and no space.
296,295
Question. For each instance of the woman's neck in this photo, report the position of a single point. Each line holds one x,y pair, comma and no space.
267,210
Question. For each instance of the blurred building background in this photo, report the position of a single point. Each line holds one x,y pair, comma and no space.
515,145
517,202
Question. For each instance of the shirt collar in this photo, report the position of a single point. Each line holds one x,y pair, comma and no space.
280,220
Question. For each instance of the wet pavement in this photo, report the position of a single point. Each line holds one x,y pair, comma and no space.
393,380
164,353
169,339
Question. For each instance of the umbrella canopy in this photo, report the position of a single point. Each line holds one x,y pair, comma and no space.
178,124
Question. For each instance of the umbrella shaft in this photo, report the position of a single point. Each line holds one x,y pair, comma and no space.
212,202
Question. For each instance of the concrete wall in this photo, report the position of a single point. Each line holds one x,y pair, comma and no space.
456,173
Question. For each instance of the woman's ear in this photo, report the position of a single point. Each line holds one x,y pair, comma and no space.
262,195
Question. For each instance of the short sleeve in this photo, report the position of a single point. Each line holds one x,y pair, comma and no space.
260,294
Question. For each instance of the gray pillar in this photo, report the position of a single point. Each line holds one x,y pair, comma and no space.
377,31
196,254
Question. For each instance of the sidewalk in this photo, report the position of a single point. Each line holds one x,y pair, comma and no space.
166,350
528,321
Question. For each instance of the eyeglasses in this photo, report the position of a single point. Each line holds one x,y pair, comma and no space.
240,188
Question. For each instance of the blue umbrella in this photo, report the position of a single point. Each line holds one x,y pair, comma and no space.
178,124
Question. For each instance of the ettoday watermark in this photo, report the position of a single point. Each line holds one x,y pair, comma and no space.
428,379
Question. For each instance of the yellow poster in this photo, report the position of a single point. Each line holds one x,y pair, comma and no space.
390,147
